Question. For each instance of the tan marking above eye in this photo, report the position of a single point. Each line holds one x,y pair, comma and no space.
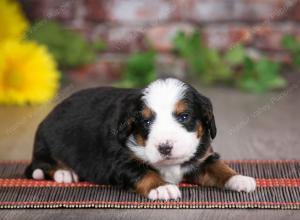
147,113
180,107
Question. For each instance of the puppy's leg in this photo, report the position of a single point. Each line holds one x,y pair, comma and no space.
43,166
42,162
62,174
40,170
154,187
219,174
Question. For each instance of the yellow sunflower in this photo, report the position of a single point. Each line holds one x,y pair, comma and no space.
12,21
28,73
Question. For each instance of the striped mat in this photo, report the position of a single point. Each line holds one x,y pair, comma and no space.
278,188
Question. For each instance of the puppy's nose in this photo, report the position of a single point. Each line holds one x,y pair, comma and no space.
165,149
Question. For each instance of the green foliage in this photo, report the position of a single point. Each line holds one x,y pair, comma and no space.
203,61
293,46
140,70
68,48
235,55
253,75
234,66
260,76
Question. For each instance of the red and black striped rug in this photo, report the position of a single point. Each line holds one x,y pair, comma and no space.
278,188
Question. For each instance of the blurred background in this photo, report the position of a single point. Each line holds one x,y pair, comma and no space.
243,54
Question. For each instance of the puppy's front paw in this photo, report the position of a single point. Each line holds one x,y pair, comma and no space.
165,192
65,176
241,183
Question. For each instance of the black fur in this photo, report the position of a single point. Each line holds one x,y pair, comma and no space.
87,132
201,109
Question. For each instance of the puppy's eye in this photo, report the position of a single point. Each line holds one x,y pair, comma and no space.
183,117
147,122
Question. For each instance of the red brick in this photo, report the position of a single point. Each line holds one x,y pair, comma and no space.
130,25
160,37
61,9
296,12
224,36
84,30
236,10
263,35
110,67
131,38
270,37
279,57
99,32
107,68
47,9
35,9
140,11
125,39
95,10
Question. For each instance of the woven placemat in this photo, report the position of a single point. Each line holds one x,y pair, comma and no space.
278,188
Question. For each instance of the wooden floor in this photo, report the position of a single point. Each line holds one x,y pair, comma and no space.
249,127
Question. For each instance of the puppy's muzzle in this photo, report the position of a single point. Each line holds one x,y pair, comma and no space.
165,149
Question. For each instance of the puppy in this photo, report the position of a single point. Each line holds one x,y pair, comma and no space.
147,140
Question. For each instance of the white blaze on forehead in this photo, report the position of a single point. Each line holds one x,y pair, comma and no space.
164,94
161,97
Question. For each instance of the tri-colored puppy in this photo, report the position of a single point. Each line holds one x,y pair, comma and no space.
147,140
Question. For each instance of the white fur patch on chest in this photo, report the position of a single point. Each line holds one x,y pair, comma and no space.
171,174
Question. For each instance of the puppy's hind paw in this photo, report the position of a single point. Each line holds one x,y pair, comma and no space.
165,192
38,174
65,176
241,183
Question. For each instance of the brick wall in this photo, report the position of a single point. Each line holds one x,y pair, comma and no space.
130,25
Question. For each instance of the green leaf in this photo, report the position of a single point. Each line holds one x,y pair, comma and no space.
290,43
296,60
268,68
250,84
203,61
233,66
293,46
277,83
235,55
248,66
99,45
261,76
140,70
68,48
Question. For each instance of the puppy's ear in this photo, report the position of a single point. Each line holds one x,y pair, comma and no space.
204,106
129,113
